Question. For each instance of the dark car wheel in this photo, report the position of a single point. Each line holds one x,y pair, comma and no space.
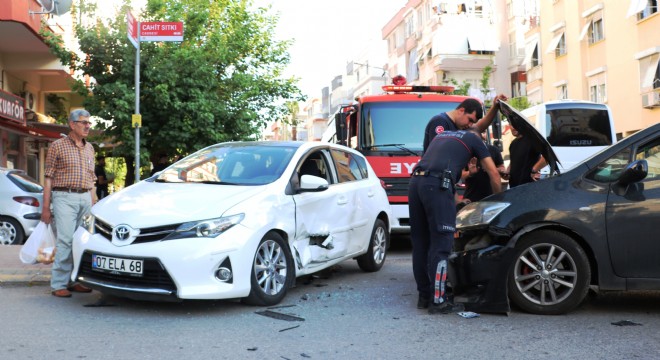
550,274
11,231
272,271
374,258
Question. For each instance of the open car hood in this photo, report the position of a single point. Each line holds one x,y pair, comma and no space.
518,121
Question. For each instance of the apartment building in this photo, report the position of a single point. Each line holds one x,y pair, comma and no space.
603,51
451,42
33,83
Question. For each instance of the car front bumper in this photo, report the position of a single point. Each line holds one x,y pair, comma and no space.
173,270
478,273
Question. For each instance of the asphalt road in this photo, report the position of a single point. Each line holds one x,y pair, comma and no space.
341,314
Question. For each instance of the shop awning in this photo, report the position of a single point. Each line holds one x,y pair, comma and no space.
32,132
483,41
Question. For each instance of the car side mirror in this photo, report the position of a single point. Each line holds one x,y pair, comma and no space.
634,172
310,183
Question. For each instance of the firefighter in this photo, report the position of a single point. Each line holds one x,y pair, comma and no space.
466,115
433,210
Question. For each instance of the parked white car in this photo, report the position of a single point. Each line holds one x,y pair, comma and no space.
236,220
21,199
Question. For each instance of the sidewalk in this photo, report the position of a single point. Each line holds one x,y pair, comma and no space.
14,272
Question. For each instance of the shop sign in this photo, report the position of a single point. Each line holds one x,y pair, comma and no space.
12,108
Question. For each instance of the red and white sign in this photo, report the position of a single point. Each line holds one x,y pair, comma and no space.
161,31
132,28
12,108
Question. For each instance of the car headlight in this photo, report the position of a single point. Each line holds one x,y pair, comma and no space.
88,223
479,213
206,228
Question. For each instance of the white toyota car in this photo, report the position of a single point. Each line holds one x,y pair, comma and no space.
236,220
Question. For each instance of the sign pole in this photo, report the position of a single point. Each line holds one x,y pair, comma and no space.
138,123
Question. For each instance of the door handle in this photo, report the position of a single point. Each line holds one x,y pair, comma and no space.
342,200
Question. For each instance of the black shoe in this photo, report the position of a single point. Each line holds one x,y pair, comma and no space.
445,308
423,302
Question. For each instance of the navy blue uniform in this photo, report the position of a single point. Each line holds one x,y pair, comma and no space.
433,209
437,125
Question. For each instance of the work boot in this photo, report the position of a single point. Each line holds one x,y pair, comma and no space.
423,302
445,308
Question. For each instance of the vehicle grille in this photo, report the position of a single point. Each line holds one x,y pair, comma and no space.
397,186
154,275
150,234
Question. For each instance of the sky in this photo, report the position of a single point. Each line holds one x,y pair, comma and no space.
327,34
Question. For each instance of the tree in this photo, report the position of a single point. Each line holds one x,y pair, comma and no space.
291,117
485,83
520,103
461,89
222,83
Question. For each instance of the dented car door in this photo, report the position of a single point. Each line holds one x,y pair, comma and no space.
322,217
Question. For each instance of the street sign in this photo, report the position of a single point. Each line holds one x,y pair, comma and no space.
132,29
136,120
161,31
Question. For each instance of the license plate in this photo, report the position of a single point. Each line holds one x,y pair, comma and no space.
113,264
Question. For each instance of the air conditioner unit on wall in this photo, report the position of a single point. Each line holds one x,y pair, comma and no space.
651,99
30,100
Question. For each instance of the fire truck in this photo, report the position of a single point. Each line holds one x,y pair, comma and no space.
389,130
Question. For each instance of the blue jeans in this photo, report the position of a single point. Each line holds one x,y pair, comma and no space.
68,212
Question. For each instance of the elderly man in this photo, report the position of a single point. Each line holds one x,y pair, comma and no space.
68,189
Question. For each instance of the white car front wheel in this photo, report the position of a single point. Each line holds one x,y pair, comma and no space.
272,271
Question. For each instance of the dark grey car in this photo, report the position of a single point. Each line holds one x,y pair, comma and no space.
541,245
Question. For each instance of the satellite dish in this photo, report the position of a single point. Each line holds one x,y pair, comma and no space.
55,7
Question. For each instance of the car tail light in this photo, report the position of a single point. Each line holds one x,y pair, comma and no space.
27,200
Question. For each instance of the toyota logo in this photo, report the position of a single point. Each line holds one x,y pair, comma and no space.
123,234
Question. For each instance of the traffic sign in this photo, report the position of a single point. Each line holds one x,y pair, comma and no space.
161,31
132,28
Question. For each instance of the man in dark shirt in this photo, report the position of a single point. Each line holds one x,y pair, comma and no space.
102,180
433,210
526,162
466,114
477,181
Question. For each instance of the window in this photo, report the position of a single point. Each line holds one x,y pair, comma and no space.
597,87
596,31
349,167
610,169
535,57
650,152
562,92
649,71
561,46
650,9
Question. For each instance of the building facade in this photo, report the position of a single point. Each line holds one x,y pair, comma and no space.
33,83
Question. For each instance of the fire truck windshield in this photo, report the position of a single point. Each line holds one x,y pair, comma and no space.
398,125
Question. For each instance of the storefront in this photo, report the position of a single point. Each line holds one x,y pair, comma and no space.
21,147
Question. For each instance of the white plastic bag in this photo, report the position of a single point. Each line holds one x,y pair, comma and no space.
40,246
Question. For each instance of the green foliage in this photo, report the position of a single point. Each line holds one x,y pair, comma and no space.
222,83
59,112
485,83
461,89
520,103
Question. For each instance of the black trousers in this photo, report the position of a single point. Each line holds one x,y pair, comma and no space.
432,226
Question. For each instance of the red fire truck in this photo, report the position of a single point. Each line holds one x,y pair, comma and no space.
389,130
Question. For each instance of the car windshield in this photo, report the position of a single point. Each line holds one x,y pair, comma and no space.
399,123
25,182
232,164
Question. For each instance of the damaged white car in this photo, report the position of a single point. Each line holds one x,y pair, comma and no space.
236,220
